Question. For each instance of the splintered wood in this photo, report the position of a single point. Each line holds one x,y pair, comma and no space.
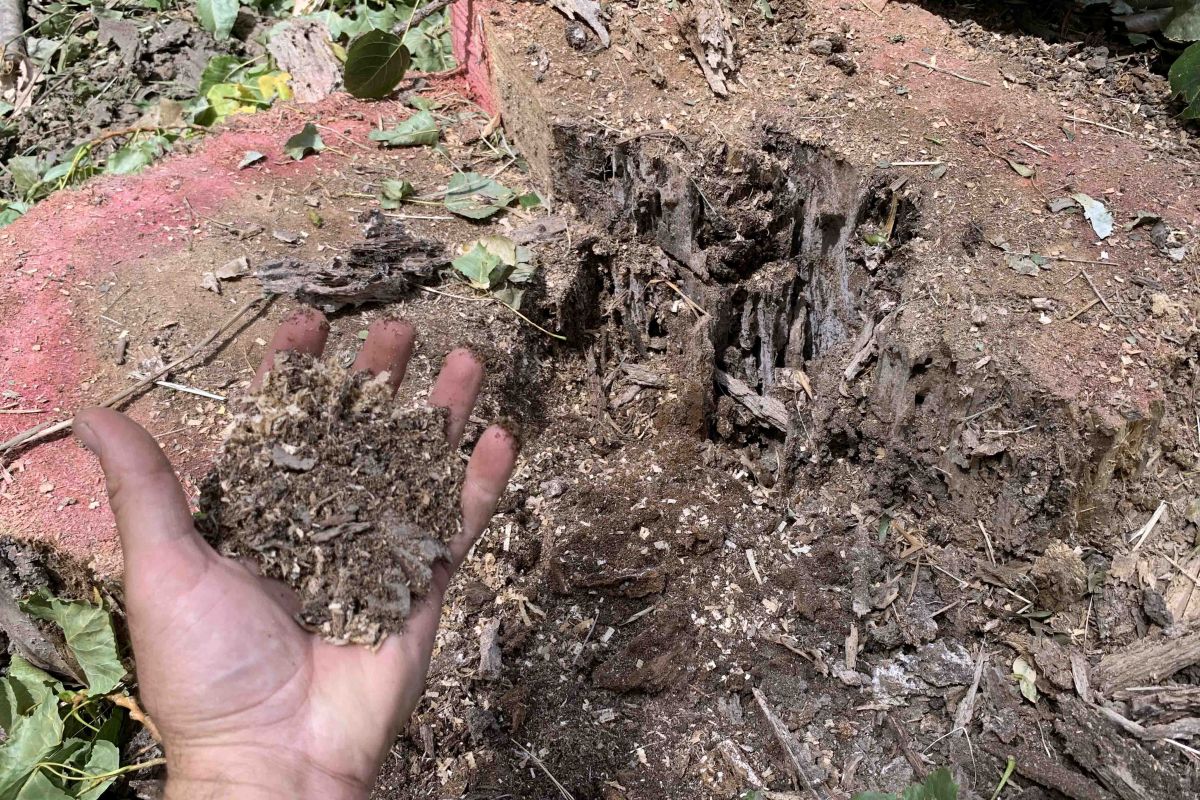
708,29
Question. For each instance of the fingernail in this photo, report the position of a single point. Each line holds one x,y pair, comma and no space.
84,433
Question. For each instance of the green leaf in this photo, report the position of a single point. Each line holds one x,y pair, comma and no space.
105,758
1185,24
250,157
529,200
1097,213
25,171
30,740
509,295
89,633
219,69
40,787
1026,677
12,211
393,193
940,785
476,196
305,142
136,156
874,796
476,265
1185,80
375,64
419,129
217,16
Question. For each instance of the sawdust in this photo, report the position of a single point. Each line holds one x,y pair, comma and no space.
329,486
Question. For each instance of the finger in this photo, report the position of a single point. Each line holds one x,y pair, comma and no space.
456,388
388,348
303,332
487,475
157,536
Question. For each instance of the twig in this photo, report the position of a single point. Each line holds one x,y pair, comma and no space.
22,411
1101,125
528,754
130,704
1033,146
423,13
1088,307
1184,572
966,709
951,73
1099,296
179,387
987,539
914,760
786,741
917,163
1142,534
48,429
692,304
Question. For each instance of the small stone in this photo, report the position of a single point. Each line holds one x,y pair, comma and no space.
46,488
843,62
820,47
209,281
1096,63
577,36
1155,606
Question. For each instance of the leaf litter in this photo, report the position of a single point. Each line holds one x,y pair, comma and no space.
330,487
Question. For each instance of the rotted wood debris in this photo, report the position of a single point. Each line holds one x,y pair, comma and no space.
766,409
377,271
587,11
708,30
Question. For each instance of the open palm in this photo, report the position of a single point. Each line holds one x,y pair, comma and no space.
250,705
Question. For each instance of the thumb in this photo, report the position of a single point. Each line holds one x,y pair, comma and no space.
152,512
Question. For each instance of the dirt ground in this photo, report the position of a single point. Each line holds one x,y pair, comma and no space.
821,466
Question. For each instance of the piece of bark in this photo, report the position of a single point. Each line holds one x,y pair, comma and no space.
301,48
1127,768
765,409
738,765
1147,661
379,271
490,664
541,229
1035,766
708,31
799,761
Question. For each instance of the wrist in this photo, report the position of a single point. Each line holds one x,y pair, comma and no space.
253,773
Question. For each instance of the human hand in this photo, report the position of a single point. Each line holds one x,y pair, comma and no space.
250,705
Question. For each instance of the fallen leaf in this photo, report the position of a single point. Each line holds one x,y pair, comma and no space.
1097,213
1060,204
393,193
476,196
250,157
305,142
1024,170
1026,677
419,129
1142,218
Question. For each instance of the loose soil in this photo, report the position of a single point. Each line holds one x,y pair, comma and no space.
328,486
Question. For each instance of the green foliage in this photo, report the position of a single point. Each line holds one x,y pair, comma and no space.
89,634
63,741
1185,23
939,785
419,129
476,196
305,142
375,64
217,16
393,193
1185,80
229,86
498,265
